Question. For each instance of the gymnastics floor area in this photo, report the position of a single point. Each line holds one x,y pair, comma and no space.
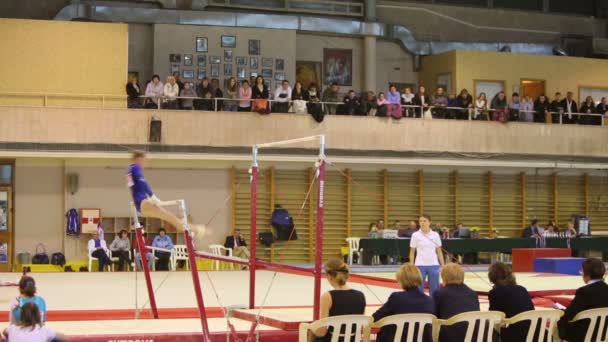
95,307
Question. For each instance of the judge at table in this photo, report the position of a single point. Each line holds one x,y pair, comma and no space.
533,231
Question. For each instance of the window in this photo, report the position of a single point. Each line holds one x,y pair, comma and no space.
6,174
445,81
491,88
596,93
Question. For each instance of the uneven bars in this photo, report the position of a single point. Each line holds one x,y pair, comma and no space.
210,256
320,137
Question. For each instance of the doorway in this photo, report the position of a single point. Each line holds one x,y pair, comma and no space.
532,88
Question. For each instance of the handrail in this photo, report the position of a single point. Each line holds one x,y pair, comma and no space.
45,96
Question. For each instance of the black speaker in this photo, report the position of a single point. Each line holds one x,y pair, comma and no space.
155,130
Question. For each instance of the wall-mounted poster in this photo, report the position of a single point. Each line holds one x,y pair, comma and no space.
240,60
267,63
201,44
174,68
215,70
253,62
175,58
227,69
267,73
201,61
3,252
308,72
188,60
89,219
240,73
3,211
229,41
280,64
227,56
188,74
338,66
279,76
202,73
254,47
215,60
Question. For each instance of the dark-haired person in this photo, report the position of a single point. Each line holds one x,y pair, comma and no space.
541,108
31,328
570,107
217,93
313,106
282,97
27,294
602,108
512,299
556,107
259,95
464,100
532,231
409,301
342,300
154,91
245,97
205,92
162,240
299,96
422,100
99,249
232,92
588,107
440,101
120,248
351,103
331,95
426,253
133,91
499,107
394,98
593,295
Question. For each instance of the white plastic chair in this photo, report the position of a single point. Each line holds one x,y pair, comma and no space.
136,254
593,315
115,259
179,253
548,321
479,318
361,323
411,320
221,251
92,258
353,247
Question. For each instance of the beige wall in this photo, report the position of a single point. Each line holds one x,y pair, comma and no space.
393,65
435,65
62,57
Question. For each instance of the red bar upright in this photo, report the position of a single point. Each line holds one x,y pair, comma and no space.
319,240
197,286
254,234
141,247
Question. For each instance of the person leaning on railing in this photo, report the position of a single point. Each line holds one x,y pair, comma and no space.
422,100
314,107
171,92
133,91
204,91
588,107
154,91
515,108
188,91
541,109
232,92
352,105
260,96
556,107
369,104
527,109
481,107
299,96
218,94
499,107
331,95
602,108
440,101
464,100
245,97
407,98
570,107
282,97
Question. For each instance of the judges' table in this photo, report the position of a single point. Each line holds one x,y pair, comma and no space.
401,247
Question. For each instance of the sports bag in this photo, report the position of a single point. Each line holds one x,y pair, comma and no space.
40,257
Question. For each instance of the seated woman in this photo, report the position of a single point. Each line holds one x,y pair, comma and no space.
410,300
453,299
120,247
27,294
382,104
99,249
508,297
342,300
30,327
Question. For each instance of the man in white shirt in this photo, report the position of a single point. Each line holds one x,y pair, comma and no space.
99,249
570,107
171,92
282,97
426,253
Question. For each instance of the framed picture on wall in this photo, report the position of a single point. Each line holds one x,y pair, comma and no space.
279,64
3,252
254,47
215,70
268,84
201,61
4,197
279,76
201,44
241,60
188,60
175,58
227,56
202,73
240,73
267,73
174,68
308,72
227,69
229,41
253,74
188,74
338,66
253,62
215,60
267,63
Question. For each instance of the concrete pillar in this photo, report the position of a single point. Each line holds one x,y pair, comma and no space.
369,63
370,10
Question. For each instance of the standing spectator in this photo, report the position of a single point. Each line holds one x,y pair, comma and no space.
422,100
331,95
260,95
180,85
515,108
455,298
590,296
527,109
218,94
508,297
30,327
232,93
188,91
541,109
282,97
499,107
171,93
27,294
453,111
382,105
121,247
299,96
99,249
351,103
570,107
464,100
133,101
204,91
342,300
407,99
154,91
237,244
481,107
587,108
532,231
440,101
369,104
149,254
426,253
557,107
409,301
602,108
245,97
162,240
394,99
314,107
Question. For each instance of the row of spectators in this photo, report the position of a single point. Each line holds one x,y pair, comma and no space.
253,95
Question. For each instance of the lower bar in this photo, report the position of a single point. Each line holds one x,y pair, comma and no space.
269,264
222,258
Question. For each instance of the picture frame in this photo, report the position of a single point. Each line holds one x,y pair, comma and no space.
308,72
215,60
89,219
201,61
228,41
227,69
267,73
174,68
254,47
188,60
188,74
175,58
240,73
279,64
4,211
202,44
240,60
253,74
227,56
3,252
279,76
253,62
267,62
201,73
268,84
215,70
338,66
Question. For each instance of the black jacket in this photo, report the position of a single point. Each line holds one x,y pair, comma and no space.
132,91
450,301
591,296
512,300
351,106
569,119
417,100
402,302
230,242
528,232
302,95
257,94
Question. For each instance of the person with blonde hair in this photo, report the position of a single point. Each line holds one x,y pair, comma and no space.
454,298
410,300
342,300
